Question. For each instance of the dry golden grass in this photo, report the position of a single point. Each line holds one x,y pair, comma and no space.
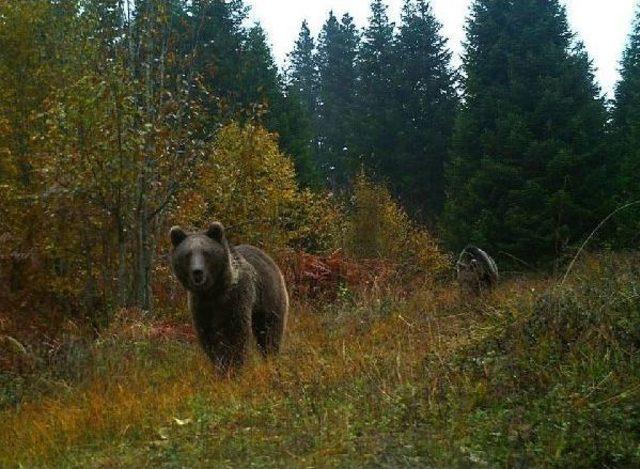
137,395
362,381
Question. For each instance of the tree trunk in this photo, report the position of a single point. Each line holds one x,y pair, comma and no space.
143,282
123,278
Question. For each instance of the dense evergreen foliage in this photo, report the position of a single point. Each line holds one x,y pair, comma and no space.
425,83
336,116
301,87
528,175
625,139
302,74
377,122
384,99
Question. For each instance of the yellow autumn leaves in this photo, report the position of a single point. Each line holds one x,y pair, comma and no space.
249,184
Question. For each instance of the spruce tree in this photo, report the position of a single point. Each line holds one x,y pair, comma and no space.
296,132
527,173
301,102
302,74
263,92
217,31
625,138
425,86
259,84
241,79
337,49
377,123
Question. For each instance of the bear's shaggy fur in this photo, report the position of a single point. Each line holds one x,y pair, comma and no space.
477,271
235,294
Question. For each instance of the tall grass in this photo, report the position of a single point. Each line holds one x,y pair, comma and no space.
533,375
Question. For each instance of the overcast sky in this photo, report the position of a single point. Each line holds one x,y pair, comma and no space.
603,25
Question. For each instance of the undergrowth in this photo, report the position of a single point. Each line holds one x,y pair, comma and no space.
534,375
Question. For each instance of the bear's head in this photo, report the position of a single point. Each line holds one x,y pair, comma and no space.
201,261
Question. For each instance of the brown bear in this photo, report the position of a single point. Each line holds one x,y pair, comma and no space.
477,271
235,294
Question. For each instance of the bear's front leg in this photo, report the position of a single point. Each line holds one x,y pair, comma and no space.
231,344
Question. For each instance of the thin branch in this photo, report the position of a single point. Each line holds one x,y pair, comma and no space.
593,233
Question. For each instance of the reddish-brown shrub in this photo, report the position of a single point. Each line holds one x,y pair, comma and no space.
316,276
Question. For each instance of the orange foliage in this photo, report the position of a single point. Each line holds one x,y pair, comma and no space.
131,324
321,276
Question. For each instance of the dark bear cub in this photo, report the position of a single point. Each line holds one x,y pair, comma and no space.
235,294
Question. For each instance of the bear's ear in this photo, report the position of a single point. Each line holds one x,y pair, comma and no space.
177,236
216,232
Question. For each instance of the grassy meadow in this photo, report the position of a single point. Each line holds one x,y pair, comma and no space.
536,374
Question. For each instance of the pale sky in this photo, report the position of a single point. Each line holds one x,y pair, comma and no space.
603,25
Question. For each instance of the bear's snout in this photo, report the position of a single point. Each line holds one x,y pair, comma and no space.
198,277
198,271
